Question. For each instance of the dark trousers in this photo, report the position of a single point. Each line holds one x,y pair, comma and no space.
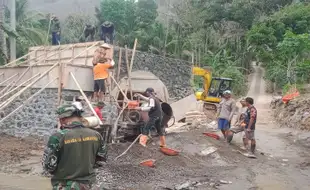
107,38
154,121
55,38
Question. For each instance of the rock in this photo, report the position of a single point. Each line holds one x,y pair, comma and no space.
225,182
208,151
184,186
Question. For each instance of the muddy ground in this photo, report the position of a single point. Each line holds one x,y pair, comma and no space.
282,162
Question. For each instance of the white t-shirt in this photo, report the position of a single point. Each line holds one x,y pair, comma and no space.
78,105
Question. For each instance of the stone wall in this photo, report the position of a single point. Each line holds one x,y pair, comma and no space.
38,117
174,73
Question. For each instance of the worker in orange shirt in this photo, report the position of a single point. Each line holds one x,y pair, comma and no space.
103,54
101,73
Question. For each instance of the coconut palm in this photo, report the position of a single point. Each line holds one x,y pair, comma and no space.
31,27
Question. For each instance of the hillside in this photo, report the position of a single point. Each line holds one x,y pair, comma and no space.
63,8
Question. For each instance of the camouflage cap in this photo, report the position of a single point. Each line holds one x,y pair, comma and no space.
67,111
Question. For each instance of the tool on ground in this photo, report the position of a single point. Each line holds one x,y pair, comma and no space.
212,87
215,136
148,163
169,151
128,147
249,155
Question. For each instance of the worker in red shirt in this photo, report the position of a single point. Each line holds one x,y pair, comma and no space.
98,110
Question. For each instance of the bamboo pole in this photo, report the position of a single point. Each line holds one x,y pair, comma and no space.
114,129
6,103
7,86
60,83
51,55
128,73
120,89
8,79
66,47
19,78
26,101
59,78
7,93
130,67
14,61
85,97
119,65
128,147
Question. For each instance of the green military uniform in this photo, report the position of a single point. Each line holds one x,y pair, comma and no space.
71,153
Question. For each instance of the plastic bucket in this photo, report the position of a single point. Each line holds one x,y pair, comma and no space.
167,113
169,151
148,163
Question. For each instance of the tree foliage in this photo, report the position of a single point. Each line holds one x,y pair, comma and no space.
281,42
226,35
31,27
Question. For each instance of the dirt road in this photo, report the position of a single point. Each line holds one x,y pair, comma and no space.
285,164
282,163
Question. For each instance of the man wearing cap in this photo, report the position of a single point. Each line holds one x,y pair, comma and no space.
155,117
225,112
103,54
71,153
79,103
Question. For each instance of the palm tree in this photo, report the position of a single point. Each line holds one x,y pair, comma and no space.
31,27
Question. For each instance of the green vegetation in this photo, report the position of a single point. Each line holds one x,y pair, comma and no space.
282,43
225,35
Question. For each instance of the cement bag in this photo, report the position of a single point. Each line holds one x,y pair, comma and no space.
91,121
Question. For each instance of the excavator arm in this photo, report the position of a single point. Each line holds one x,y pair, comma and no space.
207,76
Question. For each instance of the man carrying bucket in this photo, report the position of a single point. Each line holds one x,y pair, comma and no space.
155,117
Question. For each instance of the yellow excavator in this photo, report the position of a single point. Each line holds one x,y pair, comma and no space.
212,87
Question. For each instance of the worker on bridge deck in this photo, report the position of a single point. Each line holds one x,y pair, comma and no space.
71,154
89,32
55,29
107,32
155,117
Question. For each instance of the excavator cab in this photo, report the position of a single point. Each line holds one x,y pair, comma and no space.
213,87
218,86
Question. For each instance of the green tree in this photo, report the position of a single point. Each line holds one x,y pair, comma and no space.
281,41
31,27
73,28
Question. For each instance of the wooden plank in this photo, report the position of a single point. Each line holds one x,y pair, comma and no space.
119,65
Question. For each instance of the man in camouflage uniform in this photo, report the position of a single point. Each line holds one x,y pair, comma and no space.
104,54
72,152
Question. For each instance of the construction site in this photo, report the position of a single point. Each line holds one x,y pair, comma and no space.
34,85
